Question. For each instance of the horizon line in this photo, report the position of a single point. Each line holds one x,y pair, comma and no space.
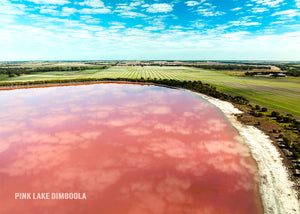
154,60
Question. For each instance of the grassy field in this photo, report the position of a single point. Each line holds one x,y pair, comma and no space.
282,94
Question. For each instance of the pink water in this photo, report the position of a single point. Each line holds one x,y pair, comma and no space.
128,148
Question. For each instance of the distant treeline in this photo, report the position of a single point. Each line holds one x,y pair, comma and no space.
243,62
197,86
102,63
209,67
11,72
290,69
232,67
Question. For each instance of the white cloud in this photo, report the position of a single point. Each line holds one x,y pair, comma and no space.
160,8
49,10
269,3
244,23
131,14
127,10
288,13
57,38
46,21
297,3
6,19
236,9
278,22
209,12
58,2
156,24
207,9
94,11
251,23
136,3
145,5
117,25
89,19
193,3
92,3
153,28
66,11
11,9
259,9
198,24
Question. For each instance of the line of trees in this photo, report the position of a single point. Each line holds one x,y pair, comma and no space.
11,72
197,86
224,67
232,67
290,69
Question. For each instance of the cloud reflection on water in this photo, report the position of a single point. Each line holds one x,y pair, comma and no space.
130,142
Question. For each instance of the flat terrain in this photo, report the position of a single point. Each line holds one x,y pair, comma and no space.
282,94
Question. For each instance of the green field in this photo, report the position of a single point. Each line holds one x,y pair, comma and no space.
281,94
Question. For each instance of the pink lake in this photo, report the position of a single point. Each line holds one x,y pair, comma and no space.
129,148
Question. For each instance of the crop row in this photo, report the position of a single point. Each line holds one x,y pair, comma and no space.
143,72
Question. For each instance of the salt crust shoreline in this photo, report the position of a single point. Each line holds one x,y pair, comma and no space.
275,187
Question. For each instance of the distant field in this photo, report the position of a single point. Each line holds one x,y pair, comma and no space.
282,94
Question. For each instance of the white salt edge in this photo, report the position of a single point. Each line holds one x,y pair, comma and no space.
276,189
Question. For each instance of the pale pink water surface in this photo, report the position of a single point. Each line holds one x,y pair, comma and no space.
129,148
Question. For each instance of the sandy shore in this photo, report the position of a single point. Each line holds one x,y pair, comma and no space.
276,189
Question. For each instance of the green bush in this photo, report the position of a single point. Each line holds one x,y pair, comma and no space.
275,114
264,109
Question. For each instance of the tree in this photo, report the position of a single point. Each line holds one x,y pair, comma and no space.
10,73
279,118
264,109
274,114
259,114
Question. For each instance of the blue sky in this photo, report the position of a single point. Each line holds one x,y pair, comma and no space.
149,29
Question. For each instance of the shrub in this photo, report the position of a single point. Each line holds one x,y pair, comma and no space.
296,154
287,119
274,114
264,109
286,140
260,114
279,118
